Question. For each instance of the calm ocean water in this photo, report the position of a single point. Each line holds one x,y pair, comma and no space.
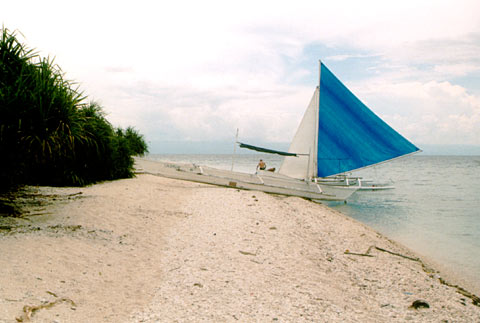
434,208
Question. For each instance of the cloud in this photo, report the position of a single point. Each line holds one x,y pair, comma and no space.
195,113
344,57
199,70
118,69
431,112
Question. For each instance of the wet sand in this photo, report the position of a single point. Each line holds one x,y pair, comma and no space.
151,249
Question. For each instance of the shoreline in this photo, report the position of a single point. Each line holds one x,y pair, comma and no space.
157,249
451,274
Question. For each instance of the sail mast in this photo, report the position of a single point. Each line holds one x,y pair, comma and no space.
319,71
317,105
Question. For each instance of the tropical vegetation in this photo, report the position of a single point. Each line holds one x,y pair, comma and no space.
49,133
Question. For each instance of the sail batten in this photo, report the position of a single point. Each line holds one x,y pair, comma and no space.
266,150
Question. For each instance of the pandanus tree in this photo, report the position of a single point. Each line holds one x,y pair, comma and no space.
16,77
48,133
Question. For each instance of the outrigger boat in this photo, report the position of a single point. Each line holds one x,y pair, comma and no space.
361,183
338,134
264,181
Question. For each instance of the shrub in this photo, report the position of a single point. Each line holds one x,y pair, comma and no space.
48,134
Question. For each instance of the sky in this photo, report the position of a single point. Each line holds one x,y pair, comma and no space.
195,71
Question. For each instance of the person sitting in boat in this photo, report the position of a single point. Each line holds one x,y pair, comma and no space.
261,165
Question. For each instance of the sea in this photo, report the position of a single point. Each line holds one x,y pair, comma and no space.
434,208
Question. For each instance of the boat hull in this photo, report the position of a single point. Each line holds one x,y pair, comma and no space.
264,181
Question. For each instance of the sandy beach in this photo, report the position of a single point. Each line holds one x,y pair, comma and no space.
151,249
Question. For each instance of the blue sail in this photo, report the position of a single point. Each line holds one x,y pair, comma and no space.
350,135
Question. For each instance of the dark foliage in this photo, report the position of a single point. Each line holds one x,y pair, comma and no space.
48,134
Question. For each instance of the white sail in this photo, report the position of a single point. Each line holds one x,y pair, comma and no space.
304,144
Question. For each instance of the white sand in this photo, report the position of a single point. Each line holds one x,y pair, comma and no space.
151,249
